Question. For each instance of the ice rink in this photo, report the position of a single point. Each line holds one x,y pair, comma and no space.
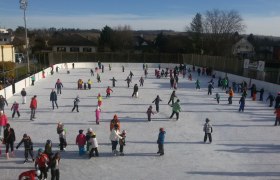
245,145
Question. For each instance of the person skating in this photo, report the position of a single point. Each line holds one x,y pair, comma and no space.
73,65
271,99
99,100
99,64
9,139
277,101
135,91
115,121
128,81
197,83
48,149
23,95
56,69
3,124
89,83
242,104
58,86
122,142
172,97
32,80
102,68
81,142
55,161
97,114
122,68
41,163
3,102
53,98
277,119
85,86
80,84
190,77
176,108
217,98
91,72
94,145
98,78
28,147
33,107
230,93
15,109
210,87
207,128
29,175
114,137
113,82
131,74
160,141
62,136
261,94
150,113
88,134
171,82
76,104
141,81
110,67
156,101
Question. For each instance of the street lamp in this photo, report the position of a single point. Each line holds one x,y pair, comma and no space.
23,6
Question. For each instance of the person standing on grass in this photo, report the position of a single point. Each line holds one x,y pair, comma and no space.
33,107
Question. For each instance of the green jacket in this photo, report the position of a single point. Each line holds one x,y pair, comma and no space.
176,107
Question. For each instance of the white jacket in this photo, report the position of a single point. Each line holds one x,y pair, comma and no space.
114,136
93,143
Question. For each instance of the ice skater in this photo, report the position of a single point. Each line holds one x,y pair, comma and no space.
76,104
41,163
23,95
114,137
210,87
122,142
217,98
91,72
172,97
94,145
176,109
156,101
135,91
197,83
58,86
33,107
98,78
3,101
128,80
81,142
62,136
89,83
271,99
242,104
99,100
277,119
53,98
207,128
160,141
9,139
141,81
28,147
150,112
97,114
15,109
113,82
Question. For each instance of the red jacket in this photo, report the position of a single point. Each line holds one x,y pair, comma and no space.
81,140
33,103
28,174
108,90
277,112
3,120
42,160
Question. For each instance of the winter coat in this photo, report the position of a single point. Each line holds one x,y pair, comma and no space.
3,120
176,107
109,90
28,144
23,93
53,96
42,160
9,135
81,140
122,141
61,132
97,113
58,85
150,111
135,89
33,103
15,107
161,137
277,101
93,141
76,101
207,128
157,100
277,112
3,101
115,135
230,93
242,101
31,175
173,96
99,98
113,123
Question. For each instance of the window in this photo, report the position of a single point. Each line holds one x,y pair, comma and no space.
61,49
74,49
87,49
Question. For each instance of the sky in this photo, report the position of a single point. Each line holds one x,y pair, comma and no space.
261,17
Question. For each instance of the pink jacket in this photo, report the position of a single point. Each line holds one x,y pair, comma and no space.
3,120
81,140
97,113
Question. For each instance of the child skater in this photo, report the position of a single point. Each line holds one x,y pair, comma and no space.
97,114
207,128
15,110
28,147
122,142
94,145
149,113
81,141
99,100
108,91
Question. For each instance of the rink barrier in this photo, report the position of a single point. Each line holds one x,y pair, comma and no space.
7,92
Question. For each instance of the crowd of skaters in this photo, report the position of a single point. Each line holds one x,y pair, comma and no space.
45,158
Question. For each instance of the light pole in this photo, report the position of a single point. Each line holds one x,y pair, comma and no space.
23,6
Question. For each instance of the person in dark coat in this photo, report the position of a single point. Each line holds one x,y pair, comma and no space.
23,95
277,101
53,98
135,91
76,104
141,81
156,101
261,94
207,128
242,104
210,87
271,99
9,139
128,80
113,82
28,147
172,97
160,141
58,86
3,101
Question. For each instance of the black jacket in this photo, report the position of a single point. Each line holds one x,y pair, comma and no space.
9,136
28,144
53,96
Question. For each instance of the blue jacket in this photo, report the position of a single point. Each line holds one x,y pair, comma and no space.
161,137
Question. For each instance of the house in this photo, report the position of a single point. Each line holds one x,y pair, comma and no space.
5,37
243,48
7,51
